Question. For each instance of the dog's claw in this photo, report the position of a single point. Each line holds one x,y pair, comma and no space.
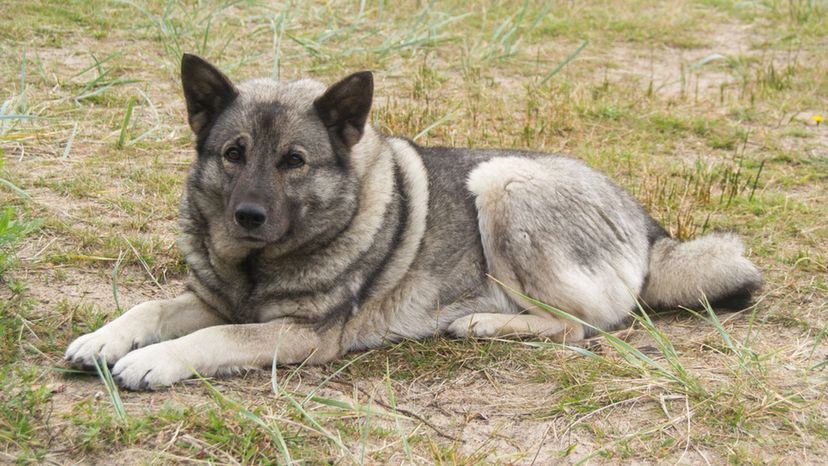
150,367
143,384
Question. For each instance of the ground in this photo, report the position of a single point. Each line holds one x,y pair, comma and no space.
707,110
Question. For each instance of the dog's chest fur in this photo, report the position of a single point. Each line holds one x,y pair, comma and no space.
447,260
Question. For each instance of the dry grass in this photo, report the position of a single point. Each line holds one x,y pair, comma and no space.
702,108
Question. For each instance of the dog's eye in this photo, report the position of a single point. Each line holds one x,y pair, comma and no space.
294,160
234,155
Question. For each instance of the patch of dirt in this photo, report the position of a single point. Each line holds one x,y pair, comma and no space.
674,72
73,286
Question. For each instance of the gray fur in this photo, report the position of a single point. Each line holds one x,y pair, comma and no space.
372,239
674,282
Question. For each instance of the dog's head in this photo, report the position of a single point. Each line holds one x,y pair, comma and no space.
274,158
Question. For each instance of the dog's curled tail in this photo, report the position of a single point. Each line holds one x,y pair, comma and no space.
712,265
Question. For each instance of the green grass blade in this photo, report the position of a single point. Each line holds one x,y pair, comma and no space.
69,142
355,407
125,123
448,116
562,64
115,271
14,188
334,374
111,388
575,349
97,63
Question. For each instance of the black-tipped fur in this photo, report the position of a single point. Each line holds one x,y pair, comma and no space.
711,266
739,298
207,92
344,107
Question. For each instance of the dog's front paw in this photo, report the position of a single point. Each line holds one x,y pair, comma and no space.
107,343
148,368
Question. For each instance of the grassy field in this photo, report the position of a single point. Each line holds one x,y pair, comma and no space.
707,110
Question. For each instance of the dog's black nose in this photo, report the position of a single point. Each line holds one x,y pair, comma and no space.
250,216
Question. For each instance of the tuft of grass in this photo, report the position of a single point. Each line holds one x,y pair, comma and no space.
636,359
102,80
13,228
272,429
23,405
749,375
510,31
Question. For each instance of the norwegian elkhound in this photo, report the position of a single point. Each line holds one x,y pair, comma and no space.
309,234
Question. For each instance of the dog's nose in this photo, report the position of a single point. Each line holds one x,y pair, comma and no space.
250,216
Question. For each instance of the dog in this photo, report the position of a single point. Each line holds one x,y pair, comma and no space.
308,234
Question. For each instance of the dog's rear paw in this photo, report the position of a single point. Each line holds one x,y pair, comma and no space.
151,367
475,326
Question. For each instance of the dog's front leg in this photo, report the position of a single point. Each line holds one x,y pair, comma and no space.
142,325
223,349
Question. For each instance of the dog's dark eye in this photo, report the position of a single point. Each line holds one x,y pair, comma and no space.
234,155
294,160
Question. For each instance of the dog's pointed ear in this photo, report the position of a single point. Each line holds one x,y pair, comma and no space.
206,89
344,107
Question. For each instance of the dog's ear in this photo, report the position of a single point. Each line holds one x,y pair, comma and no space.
344,107
207,91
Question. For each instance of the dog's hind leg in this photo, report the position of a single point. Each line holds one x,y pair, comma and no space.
491,325
554,230
497,315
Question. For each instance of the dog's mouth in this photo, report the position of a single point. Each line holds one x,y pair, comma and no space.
253,241
257,242
258,238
